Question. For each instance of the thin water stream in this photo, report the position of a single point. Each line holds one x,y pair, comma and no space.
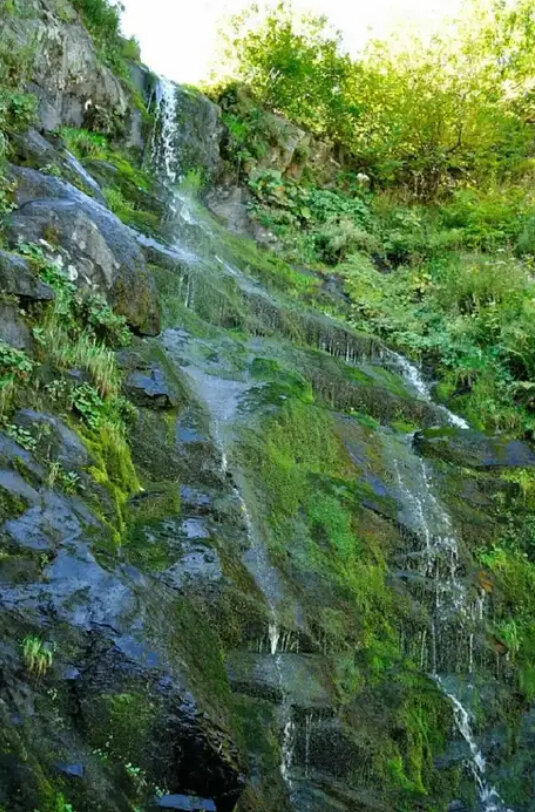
453,610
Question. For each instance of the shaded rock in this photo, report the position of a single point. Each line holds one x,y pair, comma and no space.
473,449
199,566
230,205
15,456
55,520
150,388
262,675
32,148
13,330
19,279
72,84
188,803
103,251
71,770
55,440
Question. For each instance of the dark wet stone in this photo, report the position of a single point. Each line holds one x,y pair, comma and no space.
55,520
32,148
71,770
187,803
261,675
13,455
472,449
103,251
13,330
150,388
56,440
19,279
193,499
198,566
13,483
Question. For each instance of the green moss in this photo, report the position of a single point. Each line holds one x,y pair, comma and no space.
11,505
112,468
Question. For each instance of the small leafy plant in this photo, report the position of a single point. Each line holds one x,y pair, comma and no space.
37,656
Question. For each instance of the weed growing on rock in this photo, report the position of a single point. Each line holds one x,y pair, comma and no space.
37,656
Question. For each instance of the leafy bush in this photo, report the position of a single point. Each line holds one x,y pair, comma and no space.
94,311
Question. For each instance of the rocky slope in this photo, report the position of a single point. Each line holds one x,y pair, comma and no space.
232,576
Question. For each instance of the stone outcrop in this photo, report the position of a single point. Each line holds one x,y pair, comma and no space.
99,251
72,85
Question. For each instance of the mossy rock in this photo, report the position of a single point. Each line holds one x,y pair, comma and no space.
471,449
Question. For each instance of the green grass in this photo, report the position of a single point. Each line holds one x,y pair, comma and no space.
37,656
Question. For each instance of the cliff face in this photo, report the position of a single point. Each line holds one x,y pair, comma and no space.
230,577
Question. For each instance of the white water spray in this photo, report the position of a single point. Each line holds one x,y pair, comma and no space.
412,375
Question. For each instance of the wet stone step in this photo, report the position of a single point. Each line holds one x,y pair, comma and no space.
296,678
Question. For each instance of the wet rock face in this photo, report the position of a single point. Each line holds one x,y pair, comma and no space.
102,251
116,679
473,449
196,140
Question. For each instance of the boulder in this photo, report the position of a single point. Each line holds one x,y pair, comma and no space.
149,388
55,440
102,252
13,330
18,278
472,449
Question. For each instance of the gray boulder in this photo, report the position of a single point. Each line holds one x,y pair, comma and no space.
13,330
72,84
19,279
55,440
102,252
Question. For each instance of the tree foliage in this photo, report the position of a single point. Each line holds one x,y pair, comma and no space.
424,114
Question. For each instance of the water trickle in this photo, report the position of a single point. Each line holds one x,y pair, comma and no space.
452,608
274,634
413,377
288,748
308,736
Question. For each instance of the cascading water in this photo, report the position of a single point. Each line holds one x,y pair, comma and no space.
162,154
222,397
454,612
422,388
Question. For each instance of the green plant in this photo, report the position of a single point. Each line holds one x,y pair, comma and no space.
15,365
94,311
37,656
88,403
84,143
21,435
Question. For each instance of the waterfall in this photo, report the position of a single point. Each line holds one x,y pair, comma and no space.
415,381
162,153
438,563
453,609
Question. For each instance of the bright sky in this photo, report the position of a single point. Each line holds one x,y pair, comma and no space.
179,37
